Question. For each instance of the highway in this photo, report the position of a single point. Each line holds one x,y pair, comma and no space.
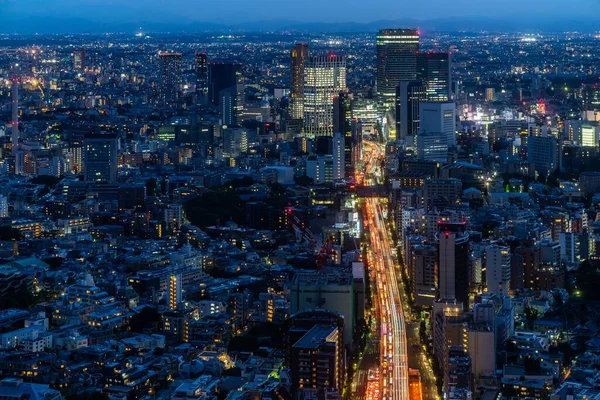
389,307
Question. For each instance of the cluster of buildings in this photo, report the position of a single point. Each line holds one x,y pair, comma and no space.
182,218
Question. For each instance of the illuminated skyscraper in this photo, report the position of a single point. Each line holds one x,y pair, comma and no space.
79,59
324,79
299,56
201,69
170,76
396,61
434,70
342,123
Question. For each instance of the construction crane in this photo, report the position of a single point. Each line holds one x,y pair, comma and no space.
303,234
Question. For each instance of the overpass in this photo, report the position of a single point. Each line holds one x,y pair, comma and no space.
372,191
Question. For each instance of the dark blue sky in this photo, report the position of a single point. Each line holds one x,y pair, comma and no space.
236,11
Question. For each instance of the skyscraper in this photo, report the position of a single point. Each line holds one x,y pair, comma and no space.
498,270
15,115
100,157
434,70
338,156
324,79
79,59
342,123
201,69
454,262
170,76
396,61
299,56
409,95
439,117
231,104
222,76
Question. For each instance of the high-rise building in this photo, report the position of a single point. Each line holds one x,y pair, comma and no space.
396,61
235,142
338,156
425,266
201,69
454,262
170,76
222,76
324,79
231,104
498,270
316,360
439,117
543,152
174,292
409,95
100,157
343,123
15,115
79,59
434,69
299,57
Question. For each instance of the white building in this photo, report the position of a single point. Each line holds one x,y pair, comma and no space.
498,270
439,117
324,79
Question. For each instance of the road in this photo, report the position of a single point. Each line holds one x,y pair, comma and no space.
389,297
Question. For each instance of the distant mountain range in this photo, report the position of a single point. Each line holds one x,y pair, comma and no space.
54,25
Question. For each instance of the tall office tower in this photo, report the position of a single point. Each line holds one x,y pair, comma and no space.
339,167
15,115
543,152
298,59
498,270
439,117
79,59
222,76
454,262
316,361
425,281
434,69
342,123
396,61
201,69
409,95
170,76
174,291
100,157
324,79
231,104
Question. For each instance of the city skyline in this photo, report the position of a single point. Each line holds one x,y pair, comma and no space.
92,16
